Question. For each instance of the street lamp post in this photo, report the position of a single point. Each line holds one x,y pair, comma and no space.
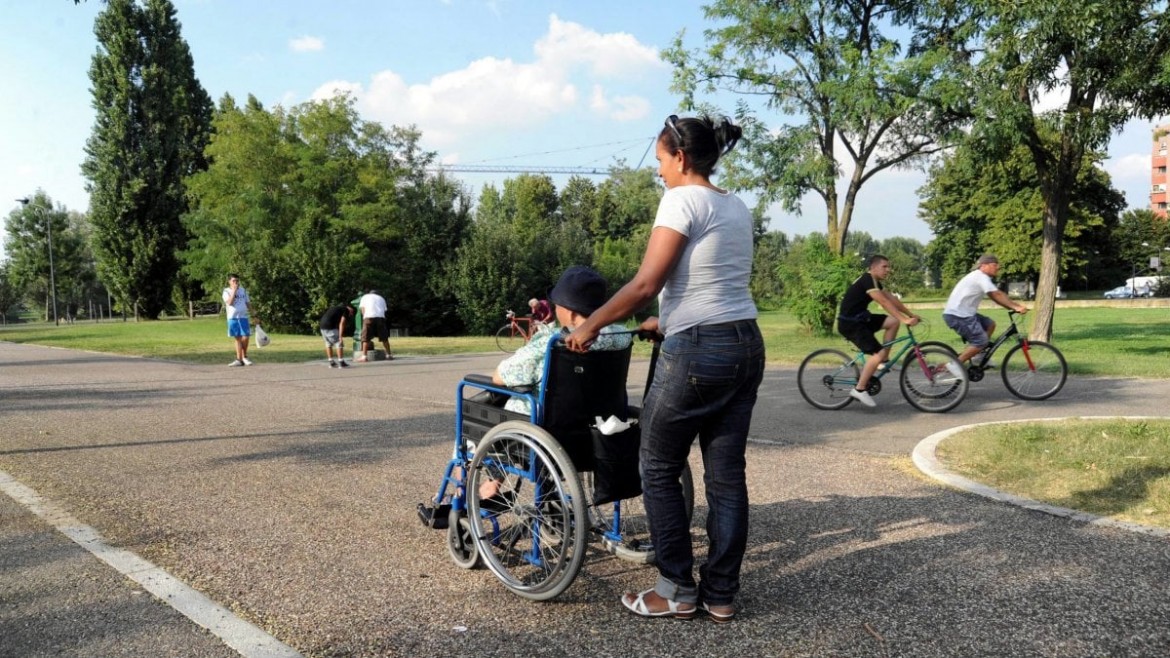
52,273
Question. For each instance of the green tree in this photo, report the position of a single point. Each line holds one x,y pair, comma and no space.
860,95
10,294
628,200
313,204
435,213
975,204
518,245
814,278
1104,60
31,269
766,285
1139,236
579,203
152,123
908,266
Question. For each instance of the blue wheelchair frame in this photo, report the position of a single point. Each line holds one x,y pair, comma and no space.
452,499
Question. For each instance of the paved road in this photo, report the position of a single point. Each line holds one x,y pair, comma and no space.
286,493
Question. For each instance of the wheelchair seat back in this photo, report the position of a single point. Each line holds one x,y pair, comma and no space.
578,388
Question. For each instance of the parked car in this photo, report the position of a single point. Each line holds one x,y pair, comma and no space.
1126,292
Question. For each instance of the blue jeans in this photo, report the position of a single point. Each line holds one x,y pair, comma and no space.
705,385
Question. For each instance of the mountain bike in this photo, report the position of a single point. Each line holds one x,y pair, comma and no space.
513,335
827,375
1031,369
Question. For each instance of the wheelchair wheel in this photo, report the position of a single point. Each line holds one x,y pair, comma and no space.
531,530
623,525
461,542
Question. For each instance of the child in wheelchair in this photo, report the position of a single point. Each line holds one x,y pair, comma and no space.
580,291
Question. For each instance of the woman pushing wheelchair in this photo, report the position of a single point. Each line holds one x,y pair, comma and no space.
698,261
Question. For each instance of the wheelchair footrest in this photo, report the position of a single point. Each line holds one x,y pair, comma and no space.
434,516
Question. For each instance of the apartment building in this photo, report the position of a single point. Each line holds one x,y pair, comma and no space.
1158,175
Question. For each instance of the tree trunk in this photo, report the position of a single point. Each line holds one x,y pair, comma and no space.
1055,212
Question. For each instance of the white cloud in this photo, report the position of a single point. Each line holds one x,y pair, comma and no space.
336,88
568,45
306,44
618,108
1129,167
494,93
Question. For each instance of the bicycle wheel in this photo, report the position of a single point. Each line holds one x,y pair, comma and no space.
825,378
929,384
624,526
509,339
1034,370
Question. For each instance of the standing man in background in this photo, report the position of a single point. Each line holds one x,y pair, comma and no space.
373,308
238,305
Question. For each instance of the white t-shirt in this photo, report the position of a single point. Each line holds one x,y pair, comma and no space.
372,305
239,306
968,292
709,285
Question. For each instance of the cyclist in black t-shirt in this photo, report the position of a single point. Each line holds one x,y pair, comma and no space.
855,322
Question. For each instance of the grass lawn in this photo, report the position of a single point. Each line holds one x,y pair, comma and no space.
1116,468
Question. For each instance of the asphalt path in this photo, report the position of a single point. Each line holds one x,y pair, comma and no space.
287,493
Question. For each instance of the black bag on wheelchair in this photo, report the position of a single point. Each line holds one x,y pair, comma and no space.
615,470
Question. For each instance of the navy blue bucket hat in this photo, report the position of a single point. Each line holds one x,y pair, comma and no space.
580,289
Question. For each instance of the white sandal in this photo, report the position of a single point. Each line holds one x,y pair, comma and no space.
674,608
718,617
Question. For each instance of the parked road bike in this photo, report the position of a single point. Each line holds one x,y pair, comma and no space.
513,335
827,375
1031,369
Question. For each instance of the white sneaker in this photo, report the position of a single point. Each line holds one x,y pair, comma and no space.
863,397
237,362
247,361
956,370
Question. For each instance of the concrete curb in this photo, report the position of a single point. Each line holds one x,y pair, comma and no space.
926,461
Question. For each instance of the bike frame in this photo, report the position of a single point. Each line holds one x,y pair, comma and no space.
518,328
911,344
1012,331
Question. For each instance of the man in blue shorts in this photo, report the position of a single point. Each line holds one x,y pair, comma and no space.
238,305
855,322
962,310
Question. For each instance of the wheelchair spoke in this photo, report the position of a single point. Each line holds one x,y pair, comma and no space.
528,510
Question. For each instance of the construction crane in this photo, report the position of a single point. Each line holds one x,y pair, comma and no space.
497,169
520,169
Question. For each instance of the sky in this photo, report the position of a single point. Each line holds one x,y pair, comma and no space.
515,83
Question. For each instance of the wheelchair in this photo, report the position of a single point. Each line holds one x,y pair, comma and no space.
526,494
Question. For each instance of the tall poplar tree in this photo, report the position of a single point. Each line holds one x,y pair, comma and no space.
153,120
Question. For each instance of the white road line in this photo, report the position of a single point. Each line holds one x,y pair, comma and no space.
249,640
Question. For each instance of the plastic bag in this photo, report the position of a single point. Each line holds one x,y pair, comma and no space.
262,338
